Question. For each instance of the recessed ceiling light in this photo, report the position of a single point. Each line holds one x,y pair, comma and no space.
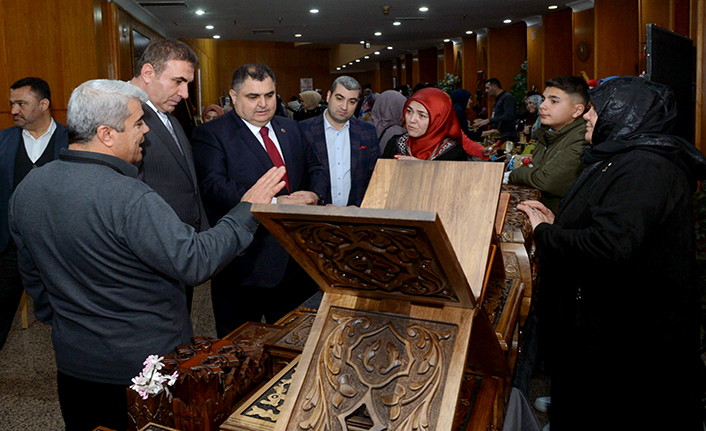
351,63
447,40
338,68
507,21
396,23
215,36
553,6
314,11
389,47
469,32
362,42
199,12
377,52
343,65
298,35
377,33
366,57
357,60
209,27
423,9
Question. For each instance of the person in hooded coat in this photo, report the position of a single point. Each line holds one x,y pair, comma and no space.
617,295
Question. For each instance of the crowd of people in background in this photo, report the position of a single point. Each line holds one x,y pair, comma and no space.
613,222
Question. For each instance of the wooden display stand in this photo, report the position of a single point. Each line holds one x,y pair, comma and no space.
400,322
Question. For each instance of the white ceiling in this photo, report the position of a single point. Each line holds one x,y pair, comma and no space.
338,21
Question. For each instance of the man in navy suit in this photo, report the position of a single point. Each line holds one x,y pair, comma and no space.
347,147
231,153
164,72
35,140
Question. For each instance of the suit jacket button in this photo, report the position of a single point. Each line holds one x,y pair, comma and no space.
198,221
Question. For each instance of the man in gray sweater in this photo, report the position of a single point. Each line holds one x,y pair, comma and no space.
106,259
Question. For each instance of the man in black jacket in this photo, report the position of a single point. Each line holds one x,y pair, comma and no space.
504,111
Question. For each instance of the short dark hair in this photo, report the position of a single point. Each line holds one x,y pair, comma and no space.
494,81
38,86
574,86
159,52
348,82
258,72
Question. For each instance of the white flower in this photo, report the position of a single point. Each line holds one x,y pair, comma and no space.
150,381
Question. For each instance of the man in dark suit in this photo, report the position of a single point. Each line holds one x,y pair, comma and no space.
35,140
347,147
164,72
231,153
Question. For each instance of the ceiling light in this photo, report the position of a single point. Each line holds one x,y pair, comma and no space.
298,35
389,47
209,27
357,60
314,11
377,33
377,52
362,42
366,57
199,12
215,36
343,65
553,6
351,63
447,40
396,23
338,68
423,9
507,21
469,32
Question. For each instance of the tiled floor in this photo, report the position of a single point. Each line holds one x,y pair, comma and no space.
28,399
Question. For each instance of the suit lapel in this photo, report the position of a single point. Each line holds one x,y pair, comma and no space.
355,138
158,131
250,141
9,154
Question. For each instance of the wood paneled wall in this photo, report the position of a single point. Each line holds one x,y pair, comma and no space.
55,40
288,62
507,50
469,56
558,47
584,33
535,57
428,65
617,43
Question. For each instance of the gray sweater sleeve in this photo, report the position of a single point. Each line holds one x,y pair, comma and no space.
158,238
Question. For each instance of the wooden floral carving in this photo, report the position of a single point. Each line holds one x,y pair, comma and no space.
394,367
393,259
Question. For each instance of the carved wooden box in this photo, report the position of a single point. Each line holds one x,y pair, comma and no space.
399,320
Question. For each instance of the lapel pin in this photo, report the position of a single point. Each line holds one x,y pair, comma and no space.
282,130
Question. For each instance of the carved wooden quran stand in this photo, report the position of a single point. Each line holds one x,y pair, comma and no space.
403,277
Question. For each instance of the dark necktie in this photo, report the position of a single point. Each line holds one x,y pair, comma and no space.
273,153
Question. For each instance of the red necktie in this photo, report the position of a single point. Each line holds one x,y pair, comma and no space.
273,153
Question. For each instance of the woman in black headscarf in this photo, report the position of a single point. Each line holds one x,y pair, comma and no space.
618,297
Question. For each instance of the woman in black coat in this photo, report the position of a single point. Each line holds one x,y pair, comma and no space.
617,268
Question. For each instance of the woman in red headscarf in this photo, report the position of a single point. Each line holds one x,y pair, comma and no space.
433,131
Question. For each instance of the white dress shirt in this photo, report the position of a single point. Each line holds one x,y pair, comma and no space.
338,147
36,147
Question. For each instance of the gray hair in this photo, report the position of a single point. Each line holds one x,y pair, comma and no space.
535,99
349,83
100,102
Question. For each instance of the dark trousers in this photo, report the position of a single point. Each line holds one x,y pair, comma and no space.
10,289
87,405
234,304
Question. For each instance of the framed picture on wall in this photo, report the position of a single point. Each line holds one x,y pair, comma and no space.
306,84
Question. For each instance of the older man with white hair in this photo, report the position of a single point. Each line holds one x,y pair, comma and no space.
106,259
